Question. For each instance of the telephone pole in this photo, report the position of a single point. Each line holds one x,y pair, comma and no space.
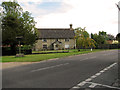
118,50
118,7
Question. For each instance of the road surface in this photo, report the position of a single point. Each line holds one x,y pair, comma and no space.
93,70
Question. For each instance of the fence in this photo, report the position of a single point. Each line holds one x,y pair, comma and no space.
108,46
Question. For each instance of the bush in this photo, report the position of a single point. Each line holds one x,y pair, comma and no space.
7,51
24,49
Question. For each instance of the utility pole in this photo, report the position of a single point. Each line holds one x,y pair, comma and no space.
118,7
118,50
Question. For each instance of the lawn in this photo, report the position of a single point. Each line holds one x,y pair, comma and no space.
50,51
40,57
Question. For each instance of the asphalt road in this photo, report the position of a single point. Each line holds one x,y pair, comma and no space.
93,70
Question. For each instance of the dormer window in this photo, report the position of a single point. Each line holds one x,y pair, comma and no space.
66,40
44,40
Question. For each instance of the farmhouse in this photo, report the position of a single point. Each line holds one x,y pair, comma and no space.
56,38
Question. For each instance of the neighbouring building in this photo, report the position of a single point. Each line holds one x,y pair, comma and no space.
115,42
55,38
109,41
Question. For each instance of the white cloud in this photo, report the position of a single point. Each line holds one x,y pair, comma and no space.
95,15
25,0
32,8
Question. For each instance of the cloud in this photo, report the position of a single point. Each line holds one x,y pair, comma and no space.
45,8
32,8
24,0
95,15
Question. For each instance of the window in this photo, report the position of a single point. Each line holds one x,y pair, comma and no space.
66,46
66,40
44,40
44,46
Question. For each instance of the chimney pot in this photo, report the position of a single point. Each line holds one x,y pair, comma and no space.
71,27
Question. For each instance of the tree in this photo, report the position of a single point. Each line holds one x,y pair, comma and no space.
81,32
92,35
16,23
85,42
103,34
100,38
110,37
0,27
29,30
9,33
82,38
118,37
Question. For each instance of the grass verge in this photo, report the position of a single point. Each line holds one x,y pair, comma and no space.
40,57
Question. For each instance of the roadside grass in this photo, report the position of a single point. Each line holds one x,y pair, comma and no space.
40,57
51,51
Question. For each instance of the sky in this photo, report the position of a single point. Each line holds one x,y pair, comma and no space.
95,15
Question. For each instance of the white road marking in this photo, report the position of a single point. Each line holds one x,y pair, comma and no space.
94,76
102,71
75,87
97,74
105,69
95,84
88,58
49,67
81,84
89,79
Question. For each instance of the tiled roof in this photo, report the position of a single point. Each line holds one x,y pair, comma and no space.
56,33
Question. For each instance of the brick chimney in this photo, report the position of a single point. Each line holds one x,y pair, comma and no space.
71,27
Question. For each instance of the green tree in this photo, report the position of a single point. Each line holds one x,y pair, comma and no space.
16,23
118,37
103,34
110,37
85,43
0,27
92,35
100,38
82,38
81,32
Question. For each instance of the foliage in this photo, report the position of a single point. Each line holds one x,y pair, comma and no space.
100,38
85,42
17,23
103,34
81,32
118,37
110,37
82,38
